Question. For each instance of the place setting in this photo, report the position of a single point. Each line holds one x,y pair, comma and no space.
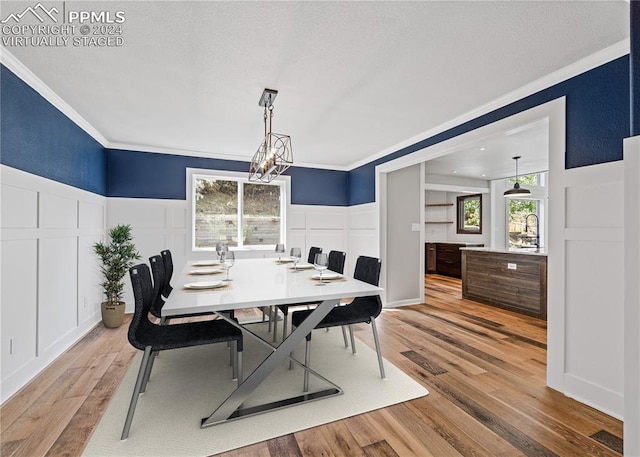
206,271
205,263
321,263
205,285
227,260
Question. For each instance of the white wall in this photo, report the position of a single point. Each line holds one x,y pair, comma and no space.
49,274
164,224
363,233
632,297
403,208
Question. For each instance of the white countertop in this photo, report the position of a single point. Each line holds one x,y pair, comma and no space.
524,251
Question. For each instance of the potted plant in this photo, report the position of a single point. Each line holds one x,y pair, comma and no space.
117,257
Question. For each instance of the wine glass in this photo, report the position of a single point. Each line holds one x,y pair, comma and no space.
321,263
220,248
228,259
296,253
279,250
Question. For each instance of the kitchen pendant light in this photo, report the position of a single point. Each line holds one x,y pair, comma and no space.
516,191
274,155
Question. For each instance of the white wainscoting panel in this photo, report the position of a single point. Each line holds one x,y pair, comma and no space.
296,219
91,215
595,306
326,220
19,207
363,237
58,212
19,304
632,296
89,279
156,225
57,283
586,321
50,292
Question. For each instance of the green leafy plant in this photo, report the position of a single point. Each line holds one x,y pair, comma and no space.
117,257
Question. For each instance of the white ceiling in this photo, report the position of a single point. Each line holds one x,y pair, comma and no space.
492,157
354,78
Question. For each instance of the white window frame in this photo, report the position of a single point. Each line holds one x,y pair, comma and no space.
284,182
539,194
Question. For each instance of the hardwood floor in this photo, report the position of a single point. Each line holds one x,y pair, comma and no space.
484,368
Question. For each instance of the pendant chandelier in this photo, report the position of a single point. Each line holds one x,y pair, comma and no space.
274,155
517,191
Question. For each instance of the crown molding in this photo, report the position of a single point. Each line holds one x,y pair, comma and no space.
581,66
594,60
209,155
26,75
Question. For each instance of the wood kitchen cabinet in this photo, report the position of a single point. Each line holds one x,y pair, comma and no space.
449,259
430,258
445,258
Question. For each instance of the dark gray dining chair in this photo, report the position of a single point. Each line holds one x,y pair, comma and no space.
360,310
159,282
312,253
152,338
167,262
273,312
336,264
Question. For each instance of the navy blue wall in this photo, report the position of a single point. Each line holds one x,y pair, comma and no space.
37,138
152,175
635,68
598,119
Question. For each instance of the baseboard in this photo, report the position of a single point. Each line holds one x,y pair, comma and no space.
605,400
399,303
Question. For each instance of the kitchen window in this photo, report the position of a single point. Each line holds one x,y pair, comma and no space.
525,224
236,212
469,214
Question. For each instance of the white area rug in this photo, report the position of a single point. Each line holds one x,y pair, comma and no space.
187,385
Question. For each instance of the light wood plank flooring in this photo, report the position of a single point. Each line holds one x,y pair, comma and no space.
484,368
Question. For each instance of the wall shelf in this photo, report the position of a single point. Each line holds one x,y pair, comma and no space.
438,222
438,204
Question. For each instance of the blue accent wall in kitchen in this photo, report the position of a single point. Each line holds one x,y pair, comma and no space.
597,110
137,174
37,138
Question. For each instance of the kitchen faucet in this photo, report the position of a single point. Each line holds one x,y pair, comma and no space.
536,225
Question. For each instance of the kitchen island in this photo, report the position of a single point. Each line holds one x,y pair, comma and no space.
514,280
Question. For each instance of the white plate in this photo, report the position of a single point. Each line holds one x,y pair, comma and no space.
327,275
204,285
284,260
205,263
303,266
205,271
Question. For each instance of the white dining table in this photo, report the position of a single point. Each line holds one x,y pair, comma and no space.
262,283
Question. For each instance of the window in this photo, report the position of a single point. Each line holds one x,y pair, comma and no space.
524,224
234,211
469,213
526,217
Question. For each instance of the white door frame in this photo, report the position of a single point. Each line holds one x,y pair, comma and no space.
554,111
